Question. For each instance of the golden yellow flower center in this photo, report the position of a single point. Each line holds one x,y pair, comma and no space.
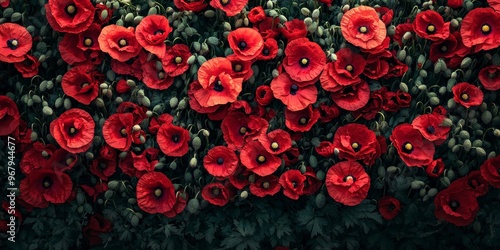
363,29
71,9
237,67
178,59
355,145
158,192
72,130
275,145
408,146
87,41
265,184
304,61
485,28
431,28
464,96
122,42
261,159
123,131
303,121
349,68
243,130
224,2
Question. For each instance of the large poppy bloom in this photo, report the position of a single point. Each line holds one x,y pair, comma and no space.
82,83
216,194
9,115
173,140
430,25
347,183
456,205
175,59
413,149
295,95
490,77
356,142
86,49
362,27
263,186
292,182
15,42
119,42
246,43
73,130
304,60
490,170
389,207
239,128
467,94
155,193
70,16
230,7
481,27
344,71
220,161
303,120
256,159
154,78
152,32
431,128
352,97
44,186
117,131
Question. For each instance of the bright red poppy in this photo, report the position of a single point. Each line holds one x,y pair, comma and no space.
239,128
268,28
220,161
126,164
138,112
4,4
413,149
191,5
152,32
155,193
495,4
180,204
429,24
256,159
173,140
256,14
175,60
264,186
431,128
356,142
156,121
345,71
490,77
347,183
15,42
44,186
264,95
82,83
9,115
303,120
70,16
239,179
73,130
216,194
230,7
117,131
481,28
467,94
304,60
276,142
386,14
295,95
119,42
362,27
435,168
154,78
490,170
147,160
270,50
456,205
352,97
193,87
389,207
29,67
241,69
292,182
294,29
246,43
374,105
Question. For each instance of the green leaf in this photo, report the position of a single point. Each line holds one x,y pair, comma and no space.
312,223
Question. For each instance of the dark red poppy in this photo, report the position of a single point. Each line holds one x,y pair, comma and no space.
374,105
119,42
96,225
291,156
325,149
131,67
481,28
451,47
377,64
456,205
362,27
173,140
138,112
356,142
239,179
241,69
122,87
152,32
29,67
15,42
347,183
117,131
256,159
73,130
175,60
276,142
103,168
190,5
294,29
194,104
473,181
413,149
295,95
292,182
390,102
4,3
256,14
429,24
345,71
155,193
239,128
82,83
304,60
431,128
22,134
230,7
397,68
386,14
312,183
401,30
126,164
328,112
69,16
62,160
9,115
156,122
246,43
180,204
216,194
303,120
220,161
263,186
490,170
268,28
490,77
352,97
270,50
435,168
96,190
389,207
147,160
37,157
467,94
264,95
44,186
155,78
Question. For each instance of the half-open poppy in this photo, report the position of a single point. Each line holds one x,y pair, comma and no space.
152,32
413,149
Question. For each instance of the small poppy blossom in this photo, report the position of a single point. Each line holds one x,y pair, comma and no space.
304,60
155,193
73,130
256,14
467,94
312,183
62,160
193,87
9,115
147,160
294,29
94,191
264,95
291,156
103,168
119,42
256,159
230,7
220,161
456,205
239,128
88,40
295,95
180,204
435,168
413,149
328,112
15,42
4,4
401,30
175,60
386,14
352,97
374,105
173,140
292,182
362,27
138,112
389,207
82,83
240,178
264,186
431,128
377,65
152,32
429,24
345,71
216,194
246,43
481,27
126,164
303,120
70,16
397,68
455,4
241,69
490,170
191,5
356,142
96,225
270,49
473,181
347,183
38,156
276,142
117,131
268,28
29,67
490,77
155,78
131,67
44,186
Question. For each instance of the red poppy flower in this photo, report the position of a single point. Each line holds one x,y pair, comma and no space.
374,105
389,207
241,69
155,193
62,160
180,204
131,67
264,95
152,32
301,121
455,4
138,112
394,101
495,4
312,183
304,60
239,128
431,128
343,72
490,170
473,181
37,157
328,112
467,94
292,182
29,67
119,42
4,3
82,83
194,104
147,160
216,194
96,190
362,27
220,162
429,24
456,205
96,225
401,30
44,186
295,95
230,7
15,42
154,78
276,142
356,142
126,164
190,5
413,149
239,179
156,122
70,16
246,43
73,130
294,29
397,68
173,140
481,27
347,183
377,65
268,28
175,60
386,14
117,131
256,159
435,168
270,49
103,168
256,14
449,48
9,115
263,186
490,77
352,97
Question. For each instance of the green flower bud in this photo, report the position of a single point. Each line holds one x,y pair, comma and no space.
480,151
47,111
486,117
182,104
467,145
173,165
432,192
188,177
244,194
381,171
209,13
134,221
417,184
193,206
305,11
109,194
422,192
196,143
403,87
434,101
392,169
320,175
315,14
80,198
320,200
313,161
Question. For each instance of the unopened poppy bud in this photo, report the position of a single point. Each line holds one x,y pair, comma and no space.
401,55
320,200
244,194
407,35
336,151
466,62
269,4
119,100
45,154
451,103
251,178
315,14
47,111
275,73
496,132
392,169
345,8
34,136
305,11
173,165
434,101
196,143
403,87
193,162
99,102
486,117
422,192
193,206
129,17
423,73
467,145
464,134
201,59
442,90
227,26
282,18
89,155
417,184
480,151
182,104
320,175
209,13
131,83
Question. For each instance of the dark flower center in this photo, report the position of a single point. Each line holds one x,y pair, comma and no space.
356,146
349,67
218,86
243,130
464,97
407,147
158,192
391,207
349,178
454,205
159,32
498,170
220,161
492,75
47,182
176,138
294,184
363,29
431,29
178,59
431,129
72,131
122,43
237,67
88,42
261,159
265,184
71,10
12,44
293,89
304,62
435,170
266,51
262,94
486,29
103,166
444,48
161,75
275,146
303,121
242,44
216,191
123,132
